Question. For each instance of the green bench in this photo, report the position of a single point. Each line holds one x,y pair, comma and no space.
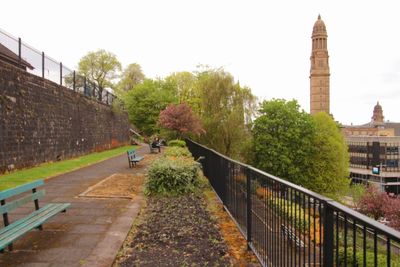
133,158
13,231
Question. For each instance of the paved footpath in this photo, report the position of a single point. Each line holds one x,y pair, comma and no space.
92,230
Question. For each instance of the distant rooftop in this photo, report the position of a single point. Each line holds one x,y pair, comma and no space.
10,57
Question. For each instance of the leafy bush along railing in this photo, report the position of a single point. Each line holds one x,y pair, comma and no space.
50,69
287,225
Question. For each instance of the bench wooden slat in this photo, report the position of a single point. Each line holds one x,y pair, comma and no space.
22,201
137,159
20,189
36,214
35,219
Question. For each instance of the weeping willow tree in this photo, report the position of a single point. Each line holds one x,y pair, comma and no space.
225,108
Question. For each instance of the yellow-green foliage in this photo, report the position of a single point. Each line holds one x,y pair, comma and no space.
175,151
179,143
171,175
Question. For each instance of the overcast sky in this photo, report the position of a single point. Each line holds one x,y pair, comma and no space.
266,45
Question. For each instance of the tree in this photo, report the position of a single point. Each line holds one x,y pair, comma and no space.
303,149
145,103
282,140
377,204
185,83
180,119
132,76
79,81
356,192
374,202
392,213
100,67
222,107
329,170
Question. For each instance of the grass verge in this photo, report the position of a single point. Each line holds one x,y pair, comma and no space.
50,169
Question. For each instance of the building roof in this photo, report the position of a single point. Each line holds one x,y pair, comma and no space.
10,57
377,122
387,139
395,126
384,125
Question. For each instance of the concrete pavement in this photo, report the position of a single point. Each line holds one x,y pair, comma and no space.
92,230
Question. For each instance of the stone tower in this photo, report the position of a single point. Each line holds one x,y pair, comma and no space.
319,72
377,116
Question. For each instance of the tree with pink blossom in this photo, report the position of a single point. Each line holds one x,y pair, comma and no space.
392,213
181,120
374,203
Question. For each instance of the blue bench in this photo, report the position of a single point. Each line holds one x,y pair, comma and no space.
13,231
133,158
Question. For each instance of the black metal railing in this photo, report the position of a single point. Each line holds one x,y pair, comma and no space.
44,66
288,225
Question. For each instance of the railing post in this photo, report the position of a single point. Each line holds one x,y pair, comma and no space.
248,208
74,86
221,178
42,64
84,86
60,73
328,245
19,49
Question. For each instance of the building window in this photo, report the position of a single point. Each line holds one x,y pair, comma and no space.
392,150
392,163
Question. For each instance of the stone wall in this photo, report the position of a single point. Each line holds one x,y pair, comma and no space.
42,121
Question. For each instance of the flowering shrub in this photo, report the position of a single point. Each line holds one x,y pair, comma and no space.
373,203
172,176
392,213
263,193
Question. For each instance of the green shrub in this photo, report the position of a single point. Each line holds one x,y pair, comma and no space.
175,151
288,208
381,257
178,143
168,176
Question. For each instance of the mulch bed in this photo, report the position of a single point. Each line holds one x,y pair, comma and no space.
118,185
175,231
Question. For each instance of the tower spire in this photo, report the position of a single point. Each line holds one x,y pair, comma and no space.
377,116
319,72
